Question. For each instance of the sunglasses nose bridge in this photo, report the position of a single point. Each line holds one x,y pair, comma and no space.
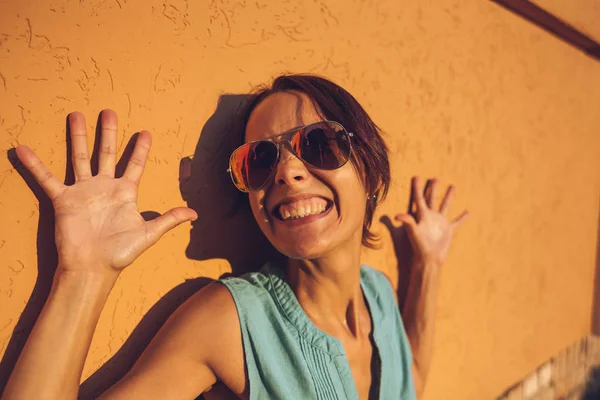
289,167
281,144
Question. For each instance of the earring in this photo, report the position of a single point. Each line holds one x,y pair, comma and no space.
372,198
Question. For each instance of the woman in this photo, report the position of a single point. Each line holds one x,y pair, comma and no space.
315,325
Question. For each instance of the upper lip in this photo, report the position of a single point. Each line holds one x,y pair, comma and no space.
297,197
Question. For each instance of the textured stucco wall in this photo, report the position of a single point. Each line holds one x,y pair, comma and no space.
465,91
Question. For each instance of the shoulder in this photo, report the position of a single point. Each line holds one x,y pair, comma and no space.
215,304
197,346
208,314
212,305
209,322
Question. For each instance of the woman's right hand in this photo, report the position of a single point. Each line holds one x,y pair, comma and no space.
98,225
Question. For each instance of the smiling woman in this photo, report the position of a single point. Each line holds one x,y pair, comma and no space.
315,324
327,101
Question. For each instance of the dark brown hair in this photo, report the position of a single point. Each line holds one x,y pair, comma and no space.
370,153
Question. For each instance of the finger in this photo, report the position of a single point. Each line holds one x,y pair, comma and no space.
446,201
459,220
418,196
51,184
406,219
169,220
135,166
108,143
79,147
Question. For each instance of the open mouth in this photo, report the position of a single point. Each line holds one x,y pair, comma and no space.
302,209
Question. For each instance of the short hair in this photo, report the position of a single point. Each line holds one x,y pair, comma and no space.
332,102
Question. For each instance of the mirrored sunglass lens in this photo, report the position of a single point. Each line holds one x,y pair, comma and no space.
238,165
260,162
324,145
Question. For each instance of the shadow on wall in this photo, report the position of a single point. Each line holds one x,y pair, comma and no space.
47,260
224,229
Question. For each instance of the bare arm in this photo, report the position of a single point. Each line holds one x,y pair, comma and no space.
418,316
422,244
57,347
99,231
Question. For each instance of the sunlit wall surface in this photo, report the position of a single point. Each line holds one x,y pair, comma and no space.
464,90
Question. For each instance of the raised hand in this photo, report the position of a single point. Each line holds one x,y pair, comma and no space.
98,225
427,228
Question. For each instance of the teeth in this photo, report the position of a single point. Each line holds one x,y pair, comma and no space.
303,208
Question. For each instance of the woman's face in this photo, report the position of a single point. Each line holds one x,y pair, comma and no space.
332,202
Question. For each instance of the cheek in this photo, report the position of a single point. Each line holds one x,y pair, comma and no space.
258,212
353,199
353,208
350,188
256,201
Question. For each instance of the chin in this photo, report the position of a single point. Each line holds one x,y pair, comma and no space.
301,249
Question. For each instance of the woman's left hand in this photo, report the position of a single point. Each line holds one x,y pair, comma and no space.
427,228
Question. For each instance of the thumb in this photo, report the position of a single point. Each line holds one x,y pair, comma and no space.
407,220
169,220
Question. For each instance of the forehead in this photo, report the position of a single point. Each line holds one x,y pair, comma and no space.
279,113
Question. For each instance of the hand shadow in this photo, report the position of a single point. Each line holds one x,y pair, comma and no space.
225,227
47,260
403,252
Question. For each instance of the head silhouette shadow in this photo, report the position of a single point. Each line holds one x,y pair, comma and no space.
225,228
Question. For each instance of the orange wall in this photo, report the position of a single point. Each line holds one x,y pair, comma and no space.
465,90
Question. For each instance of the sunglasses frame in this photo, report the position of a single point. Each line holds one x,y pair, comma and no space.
278,144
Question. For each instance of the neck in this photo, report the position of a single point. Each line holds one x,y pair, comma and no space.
328,289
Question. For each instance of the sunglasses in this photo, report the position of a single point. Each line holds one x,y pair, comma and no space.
322,145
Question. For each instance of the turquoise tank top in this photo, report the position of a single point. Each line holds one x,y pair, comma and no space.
288,357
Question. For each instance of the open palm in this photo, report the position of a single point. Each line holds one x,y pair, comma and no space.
427,229
98,224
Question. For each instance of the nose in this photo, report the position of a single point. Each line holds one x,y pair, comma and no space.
290,170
